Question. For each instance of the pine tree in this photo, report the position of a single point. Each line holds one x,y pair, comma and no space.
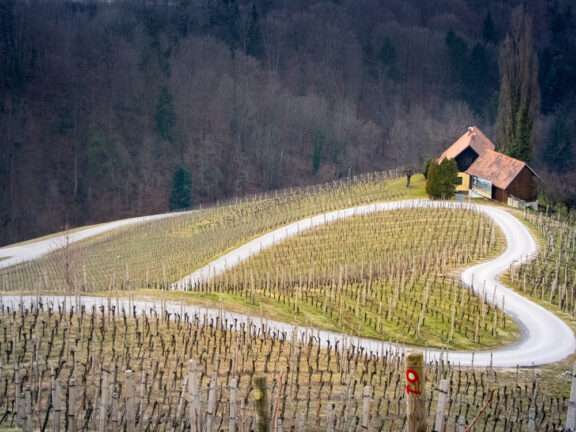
181,196
317,152
388,59
557,60
489,34
254,42
165,115
458,56
16,58
479,84
519,100
558,153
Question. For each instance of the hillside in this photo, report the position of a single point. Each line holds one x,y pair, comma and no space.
389,274
104,106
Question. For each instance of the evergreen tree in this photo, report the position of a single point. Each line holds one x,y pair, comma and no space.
165,116
254,42
442,179
16,58
317,152
388,59
558,153
558,60
458,56
479,84
181,196
519,91
489,34
225,21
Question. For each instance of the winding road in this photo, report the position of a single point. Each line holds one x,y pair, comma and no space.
31,250
545,338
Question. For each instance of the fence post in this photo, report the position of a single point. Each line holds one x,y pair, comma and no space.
440,423
571,414
415,392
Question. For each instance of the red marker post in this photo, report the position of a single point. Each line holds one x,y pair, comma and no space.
415,392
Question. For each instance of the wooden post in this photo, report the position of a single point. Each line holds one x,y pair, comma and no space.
571,414
130,401
532,418
104,403
461,424
331,417
211,415
29,420
57,403
415,392
366,398
232,401
440,423
73,397
194,390
261,402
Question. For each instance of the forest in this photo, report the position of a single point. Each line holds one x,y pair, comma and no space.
132,107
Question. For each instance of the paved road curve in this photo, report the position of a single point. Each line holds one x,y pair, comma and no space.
545,338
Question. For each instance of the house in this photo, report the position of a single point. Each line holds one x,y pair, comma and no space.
484,172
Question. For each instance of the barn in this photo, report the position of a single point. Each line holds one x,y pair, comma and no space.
491,174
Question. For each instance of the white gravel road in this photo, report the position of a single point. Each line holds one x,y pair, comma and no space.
545,338
32,250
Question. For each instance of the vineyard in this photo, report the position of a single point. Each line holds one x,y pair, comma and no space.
551,277
388,275
112,363
159,253
119,366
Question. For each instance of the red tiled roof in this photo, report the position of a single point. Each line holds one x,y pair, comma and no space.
497,168
472,138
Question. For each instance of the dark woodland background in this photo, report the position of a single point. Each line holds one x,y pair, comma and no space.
102,105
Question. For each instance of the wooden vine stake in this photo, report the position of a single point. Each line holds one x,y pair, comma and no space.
571,414
261,403
415,392
440,420
194,382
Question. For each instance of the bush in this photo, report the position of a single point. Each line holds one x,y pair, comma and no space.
442,179
181,196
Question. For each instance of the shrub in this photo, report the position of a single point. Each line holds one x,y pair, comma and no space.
442,179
